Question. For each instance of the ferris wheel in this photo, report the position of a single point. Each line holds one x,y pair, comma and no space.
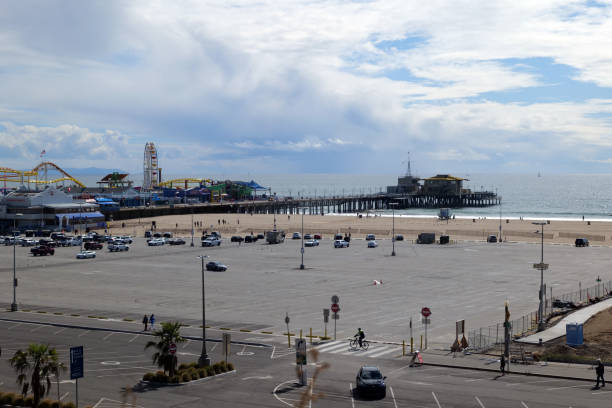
151,169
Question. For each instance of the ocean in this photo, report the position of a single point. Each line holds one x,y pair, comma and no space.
549,196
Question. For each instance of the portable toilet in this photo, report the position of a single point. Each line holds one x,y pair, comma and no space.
573,334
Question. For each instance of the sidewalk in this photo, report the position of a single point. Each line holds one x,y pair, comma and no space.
485,362
558,330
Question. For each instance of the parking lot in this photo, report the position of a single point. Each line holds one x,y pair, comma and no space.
263,283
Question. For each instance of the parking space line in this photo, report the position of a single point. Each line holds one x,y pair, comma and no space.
107,336
393,396
84,333
569,386
59,331
187,343
479,402
15,325
436,399
524,405
214,347
64,396
351,390
133,338
36,328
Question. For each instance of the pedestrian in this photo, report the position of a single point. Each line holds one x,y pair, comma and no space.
145,321
599,370
502,365
152,321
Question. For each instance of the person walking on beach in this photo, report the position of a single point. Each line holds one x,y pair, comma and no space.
599,370
502,364
145,321
152,321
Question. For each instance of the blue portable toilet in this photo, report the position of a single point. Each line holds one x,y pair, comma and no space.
573,334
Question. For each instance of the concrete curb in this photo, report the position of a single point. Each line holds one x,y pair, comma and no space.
104,329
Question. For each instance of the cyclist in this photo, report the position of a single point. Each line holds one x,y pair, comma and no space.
360,335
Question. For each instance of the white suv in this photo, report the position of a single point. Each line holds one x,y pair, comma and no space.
340,244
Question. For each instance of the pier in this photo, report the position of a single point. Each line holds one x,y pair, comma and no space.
316,205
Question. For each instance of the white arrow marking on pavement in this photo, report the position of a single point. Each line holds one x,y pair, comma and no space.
432,393
479,402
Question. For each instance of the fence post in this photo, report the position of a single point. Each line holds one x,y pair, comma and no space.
497,334
480,339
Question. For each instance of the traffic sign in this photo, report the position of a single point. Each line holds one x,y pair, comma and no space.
325,315
76,362
336,316
226,344
543,266
300,351
172,349
425,320
426,312
335,299
335,308
287,319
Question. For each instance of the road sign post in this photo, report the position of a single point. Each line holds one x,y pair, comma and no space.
76,368
325,320
426,312
226,345
288,334
335,308
300,360
172,349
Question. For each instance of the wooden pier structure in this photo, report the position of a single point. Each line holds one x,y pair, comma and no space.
316,205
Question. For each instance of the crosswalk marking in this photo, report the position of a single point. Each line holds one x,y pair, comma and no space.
341,347
386,351
330,346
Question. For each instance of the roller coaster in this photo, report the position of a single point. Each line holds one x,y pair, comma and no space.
8,175
185,182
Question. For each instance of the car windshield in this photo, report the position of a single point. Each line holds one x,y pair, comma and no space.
371,375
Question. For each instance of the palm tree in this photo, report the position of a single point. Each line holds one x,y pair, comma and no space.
168,334
38,363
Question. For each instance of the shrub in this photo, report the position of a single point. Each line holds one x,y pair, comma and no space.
1,394
210,371
161,377
182,366
68,405
8,398
217,368
46,403
29,401
148,377
19,401
230,367
185,377
174,379
202,372
56,404
194,375
193,365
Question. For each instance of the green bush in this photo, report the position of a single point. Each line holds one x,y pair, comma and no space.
148,377
217,368
230,367
182,366
193,365
185,377
174,379
161,377
29,401
46,403
202,372
56,404
210,371
1,394
68,405
8,398
194,375
19,401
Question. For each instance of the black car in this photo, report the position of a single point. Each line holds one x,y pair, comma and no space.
148,234
260,236
492,239
399,237
582,242
236,238
176,241
370,381
249,238
215,266
167,235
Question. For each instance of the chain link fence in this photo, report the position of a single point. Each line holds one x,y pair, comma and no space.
484,338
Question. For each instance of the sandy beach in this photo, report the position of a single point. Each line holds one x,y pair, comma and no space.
597,232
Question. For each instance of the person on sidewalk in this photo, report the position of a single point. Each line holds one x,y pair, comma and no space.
152,321
145,321
599,370
502,364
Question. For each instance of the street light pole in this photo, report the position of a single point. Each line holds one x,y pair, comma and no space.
541,267
192,226
302,250
203,361
393,228
14,304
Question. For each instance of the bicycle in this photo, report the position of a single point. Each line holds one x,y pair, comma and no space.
354,344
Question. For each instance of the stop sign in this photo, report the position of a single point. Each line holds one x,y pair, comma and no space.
172,348
426,312
335,308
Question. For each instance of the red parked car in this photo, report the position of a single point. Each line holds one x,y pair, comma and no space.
42,251
92,246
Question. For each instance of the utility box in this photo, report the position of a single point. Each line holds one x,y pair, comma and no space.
573,334
444,239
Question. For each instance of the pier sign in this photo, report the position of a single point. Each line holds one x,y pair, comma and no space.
76,362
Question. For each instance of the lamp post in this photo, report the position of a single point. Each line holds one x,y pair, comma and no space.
203,361
541,266
192,226
393,233
14,304
302,250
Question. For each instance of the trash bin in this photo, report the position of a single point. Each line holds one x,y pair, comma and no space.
573,334
444,239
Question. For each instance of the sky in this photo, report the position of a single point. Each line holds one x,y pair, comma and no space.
308,86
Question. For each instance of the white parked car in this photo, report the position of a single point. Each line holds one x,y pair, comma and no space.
372,244
86,254
311,243
211,242
156,242
28,242
75,241
127,239
118,247
340,244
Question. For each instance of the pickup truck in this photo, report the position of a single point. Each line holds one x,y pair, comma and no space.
42,251
91,246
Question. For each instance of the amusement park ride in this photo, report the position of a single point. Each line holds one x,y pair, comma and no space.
33,176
